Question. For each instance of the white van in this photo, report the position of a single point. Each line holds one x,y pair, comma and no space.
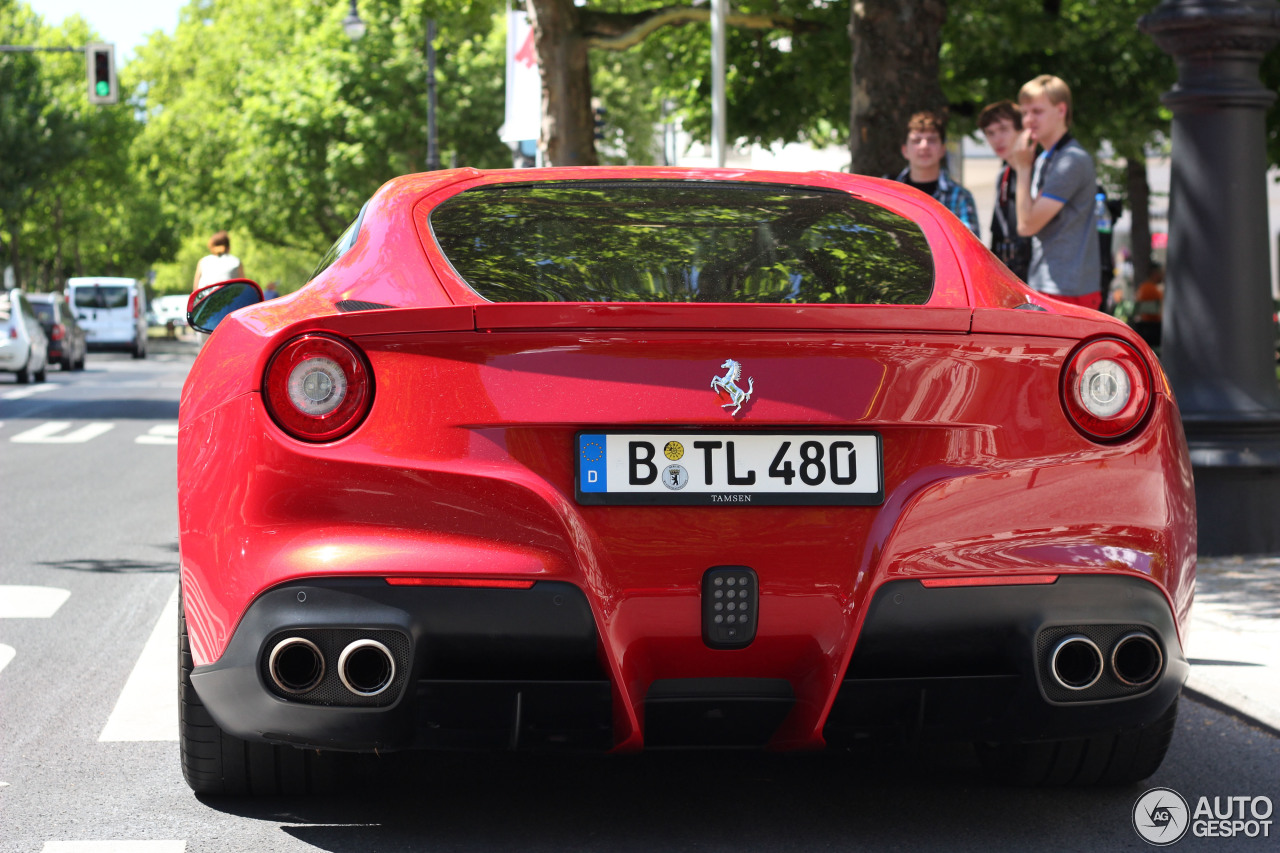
113,312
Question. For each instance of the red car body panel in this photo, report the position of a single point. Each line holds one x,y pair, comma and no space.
464,467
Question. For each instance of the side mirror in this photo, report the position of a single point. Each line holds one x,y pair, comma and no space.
210,305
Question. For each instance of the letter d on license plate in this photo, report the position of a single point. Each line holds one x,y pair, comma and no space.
742,469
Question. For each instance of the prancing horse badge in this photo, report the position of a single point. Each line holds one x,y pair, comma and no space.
729,384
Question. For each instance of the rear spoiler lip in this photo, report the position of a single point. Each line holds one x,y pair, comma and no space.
614,316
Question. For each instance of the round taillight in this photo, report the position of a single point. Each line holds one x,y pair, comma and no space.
1106,388
318,387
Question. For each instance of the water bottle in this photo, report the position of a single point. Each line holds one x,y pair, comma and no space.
1101,213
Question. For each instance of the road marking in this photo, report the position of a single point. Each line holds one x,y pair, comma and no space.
29,391
31,602
159,434
46,433
114,847
6,655
148,706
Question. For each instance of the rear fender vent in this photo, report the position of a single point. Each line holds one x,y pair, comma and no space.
347,306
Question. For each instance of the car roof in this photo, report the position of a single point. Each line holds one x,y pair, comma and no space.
100,279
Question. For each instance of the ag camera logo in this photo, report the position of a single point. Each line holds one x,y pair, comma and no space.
1160,816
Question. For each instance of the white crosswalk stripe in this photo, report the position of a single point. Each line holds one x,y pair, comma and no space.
29,391
47,433
31,602
148,706
159,434
6,655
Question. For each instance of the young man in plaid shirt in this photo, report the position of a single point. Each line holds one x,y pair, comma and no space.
924,150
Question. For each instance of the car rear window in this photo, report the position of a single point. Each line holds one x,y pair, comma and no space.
681,241
44,310
102,296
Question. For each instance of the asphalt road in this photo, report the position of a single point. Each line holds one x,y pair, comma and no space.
89,756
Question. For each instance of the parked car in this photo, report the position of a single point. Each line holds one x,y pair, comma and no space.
67,340
112,311
628,458
24,349
170,309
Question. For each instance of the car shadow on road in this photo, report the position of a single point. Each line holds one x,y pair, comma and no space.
918,797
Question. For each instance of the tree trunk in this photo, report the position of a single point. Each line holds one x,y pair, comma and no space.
895,74
1139,193
568,131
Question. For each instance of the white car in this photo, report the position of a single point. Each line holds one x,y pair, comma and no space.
166,308
24,349
113,312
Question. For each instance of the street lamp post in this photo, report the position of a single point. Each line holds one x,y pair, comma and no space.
352,25
433,147
355,28
1217,341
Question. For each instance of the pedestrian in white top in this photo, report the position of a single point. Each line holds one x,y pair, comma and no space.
219,264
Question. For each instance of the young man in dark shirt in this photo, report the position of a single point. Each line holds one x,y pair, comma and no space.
1001,123
924,150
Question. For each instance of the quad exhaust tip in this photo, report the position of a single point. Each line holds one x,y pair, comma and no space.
1076,662
296,665
1136,659
366,667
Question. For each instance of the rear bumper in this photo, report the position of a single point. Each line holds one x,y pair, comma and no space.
973,662
512,668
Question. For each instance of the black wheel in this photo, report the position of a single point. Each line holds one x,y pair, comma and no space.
24,375
214,762
1121,758
67,364
140,348
43,373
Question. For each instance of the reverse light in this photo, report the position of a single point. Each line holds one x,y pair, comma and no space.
1106,389
318,387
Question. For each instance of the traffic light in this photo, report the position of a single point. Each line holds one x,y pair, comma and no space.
598,122
101,62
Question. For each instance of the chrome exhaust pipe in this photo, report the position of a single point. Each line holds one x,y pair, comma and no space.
366,667
296,665
1076,662
1136,659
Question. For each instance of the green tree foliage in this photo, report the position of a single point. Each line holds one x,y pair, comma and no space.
782,85
72,202
263,117
1116,73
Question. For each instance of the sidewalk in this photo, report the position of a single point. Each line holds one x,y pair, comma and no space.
1234,641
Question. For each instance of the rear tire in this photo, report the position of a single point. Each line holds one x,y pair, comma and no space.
1121,758
24,375
214,762
43,373
67,364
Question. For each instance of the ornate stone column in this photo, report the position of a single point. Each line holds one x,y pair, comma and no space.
1217,344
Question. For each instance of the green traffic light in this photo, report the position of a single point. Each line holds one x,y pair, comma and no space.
103,88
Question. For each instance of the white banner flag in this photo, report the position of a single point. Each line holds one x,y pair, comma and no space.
524,82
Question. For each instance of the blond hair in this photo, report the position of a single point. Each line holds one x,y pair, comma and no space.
1054,88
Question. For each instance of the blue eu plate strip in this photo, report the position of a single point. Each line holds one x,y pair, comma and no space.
593,472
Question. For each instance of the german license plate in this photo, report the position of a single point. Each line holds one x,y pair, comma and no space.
742,469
